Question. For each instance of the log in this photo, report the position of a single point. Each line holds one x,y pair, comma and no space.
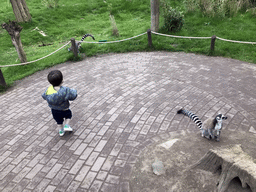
233,162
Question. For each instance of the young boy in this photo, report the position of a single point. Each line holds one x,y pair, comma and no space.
58,98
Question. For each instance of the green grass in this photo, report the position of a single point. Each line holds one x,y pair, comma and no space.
74,19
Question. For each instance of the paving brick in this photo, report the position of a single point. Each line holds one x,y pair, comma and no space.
35,181
75,145
82,173
89,137
76,166
34,171
73,186
49,165
33,162
21,185
121,104
87,152
42,185
54,171
10,187
102,175
6,170
70,162
80,149
65,182
96,186
58,178
58,145
95,141
88,180
50,188
92,158
47,157
97,165
100,146
106,187
108,163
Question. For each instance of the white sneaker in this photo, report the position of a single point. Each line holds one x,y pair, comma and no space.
67,128
61,132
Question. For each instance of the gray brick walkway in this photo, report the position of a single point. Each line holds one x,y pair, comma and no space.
126,102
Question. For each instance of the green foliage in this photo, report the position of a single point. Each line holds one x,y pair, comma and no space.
75,18
173,19
219,8
114,27
50,3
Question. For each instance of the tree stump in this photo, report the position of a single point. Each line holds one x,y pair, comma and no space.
232,162
14,31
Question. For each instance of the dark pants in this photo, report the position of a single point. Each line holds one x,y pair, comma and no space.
59,116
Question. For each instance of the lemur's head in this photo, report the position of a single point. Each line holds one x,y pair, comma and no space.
219,118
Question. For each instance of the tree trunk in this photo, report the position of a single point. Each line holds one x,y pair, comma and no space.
2,81
155,15
20,10
14,31
233,162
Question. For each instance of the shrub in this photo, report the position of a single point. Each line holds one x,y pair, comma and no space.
173,19
219,8
50,3
190,5
114,27
252,11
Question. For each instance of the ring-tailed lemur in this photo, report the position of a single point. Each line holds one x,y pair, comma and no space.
210,128
78,45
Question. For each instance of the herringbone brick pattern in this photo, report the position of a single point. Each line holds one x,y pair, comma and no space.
124,102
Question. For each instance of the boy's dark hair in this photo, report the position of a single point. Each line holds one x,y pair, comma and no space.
55,77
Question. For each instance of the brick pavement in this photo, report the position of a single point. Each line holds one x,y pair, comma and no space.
125,103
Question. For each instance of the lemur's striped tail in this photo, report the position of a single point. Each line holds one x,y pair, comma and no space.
86,35
191,116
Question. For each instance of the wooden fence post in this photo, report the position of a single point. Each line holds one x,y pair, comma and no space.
213,42
74,47
2,81
149,38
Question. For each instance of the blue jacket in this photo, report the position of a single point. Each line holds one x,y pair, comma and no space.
59,100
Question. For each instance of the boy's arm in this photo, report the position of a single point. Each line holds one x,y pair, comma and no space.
71,94
44,95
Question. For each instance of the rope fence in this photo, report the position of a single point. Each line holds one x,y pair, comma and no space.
37,59
183,37
149,32
118,41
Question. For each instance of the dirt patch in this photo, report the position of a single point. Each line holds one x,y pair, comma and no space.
185,150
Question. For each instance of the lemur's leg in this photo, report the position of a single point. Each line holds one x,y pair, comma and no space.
202,132
211,133
207,134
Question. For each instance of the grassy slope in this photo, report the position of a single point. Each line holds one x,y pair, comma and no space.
74,19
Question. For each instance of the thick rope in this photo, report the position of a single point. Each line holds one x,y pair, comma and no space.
35,60
183,37
245,42
114,41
